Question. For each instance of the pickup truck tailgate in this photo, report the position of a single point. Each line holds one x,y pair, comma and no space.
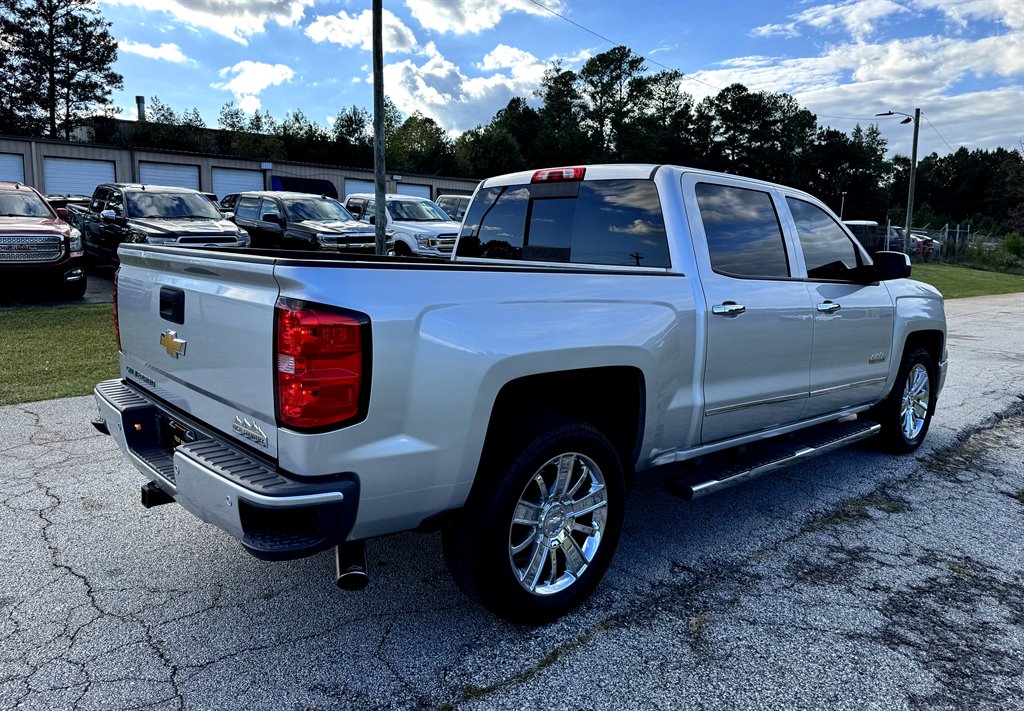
197,332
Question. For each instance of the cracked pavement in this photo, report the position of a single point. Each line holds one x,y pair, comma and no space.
857,580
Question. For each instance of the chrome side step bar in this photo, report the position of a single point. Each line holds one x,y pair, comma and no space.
733,466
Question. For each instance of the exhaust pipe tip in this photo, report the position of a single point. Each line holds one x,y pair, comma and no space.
350,566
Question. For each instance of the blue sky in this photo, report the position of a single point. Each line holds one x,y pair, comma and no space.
459,61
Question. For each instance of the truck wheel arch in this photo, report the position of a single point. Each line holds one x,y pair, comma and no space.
611,398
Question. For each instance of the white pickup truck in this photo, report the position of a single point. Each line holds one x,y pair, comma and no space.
595,322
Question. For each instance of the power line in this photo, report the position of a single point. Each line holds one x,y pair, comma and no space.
618,44
951,149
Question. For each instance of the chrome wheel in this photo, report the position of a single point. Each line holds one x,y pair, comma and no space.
915,402
558,523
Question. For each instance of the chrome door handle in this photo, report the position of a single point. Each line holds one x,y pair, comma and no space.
828,307
729,308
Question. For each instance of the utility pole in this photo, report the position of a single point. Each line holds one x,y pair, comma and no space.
380,215
916,118
842,204
913,177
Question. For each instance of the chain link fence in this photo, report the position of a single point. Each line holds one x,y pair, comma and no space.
949,245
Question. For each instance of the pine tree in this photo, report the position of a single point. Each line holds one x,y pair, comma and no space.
58,55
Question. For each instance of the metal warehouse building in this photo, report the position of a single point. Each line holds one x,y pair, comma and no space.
68,168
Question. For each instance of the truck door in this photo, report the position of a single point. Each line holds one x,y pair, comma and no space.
112,234
758,316
853,317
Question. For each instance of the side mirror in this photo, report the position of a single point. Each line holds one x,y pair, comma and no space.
108,215
373,219
62,213
274,219
892,265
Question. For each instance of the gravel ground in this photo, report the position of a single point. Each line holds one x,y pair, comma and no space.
858,580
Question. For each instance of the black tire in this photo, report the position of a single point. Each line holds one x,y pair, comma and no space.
402,249
898,434
479,546
76,289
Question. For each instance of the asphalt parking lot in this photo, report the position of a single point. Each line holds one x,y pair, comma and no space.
857,580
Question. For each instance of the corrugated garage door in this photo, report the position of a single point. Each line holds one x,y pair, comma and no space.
412,189
234,180
75,176
12,167
181,176
358,186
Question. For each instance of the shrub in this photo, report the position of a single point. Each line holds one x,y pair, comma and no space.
1014,244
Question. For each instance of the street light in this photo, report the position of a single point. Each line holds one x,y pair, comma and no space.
916,118
842,204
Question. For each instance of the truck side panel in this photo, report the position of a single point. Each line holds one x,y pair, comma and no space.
418,449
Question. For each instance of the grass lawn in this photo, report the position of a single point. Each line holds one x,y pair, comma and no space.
55,351
956,282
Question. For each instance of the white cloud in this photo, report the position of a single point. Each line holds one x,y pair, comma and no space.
858,17
473,16
662,48
234,19
1006,12
858,80
249,79
166,51
356,31
861,17
439,89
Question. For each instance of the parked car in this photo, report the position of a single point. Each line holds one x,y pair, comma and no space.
287,220
420,226
153,214
454,205
594,322
60,203
227,203
868,233
37,247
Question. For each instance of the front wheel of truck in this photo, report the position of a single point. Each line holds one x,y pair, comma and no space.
537,539
907,412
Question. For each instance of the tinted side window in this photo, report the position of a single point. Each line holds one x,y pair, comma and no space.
355,206
116,202
98,198
743,232
269,207
828,252
613,222
496,224
247,207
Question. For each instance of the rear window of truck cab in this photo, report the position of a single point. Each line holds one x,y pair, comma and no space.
607,222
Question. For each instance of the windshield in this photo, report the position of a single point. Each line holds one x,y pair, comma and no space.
318,209
23,204
173,205
416,211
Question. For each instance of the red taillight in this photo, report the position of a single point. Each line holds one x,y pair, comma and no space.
117,326
550,174
321,359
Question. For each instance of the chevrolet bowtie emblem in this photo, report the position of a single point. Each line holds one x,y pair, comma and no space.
175,346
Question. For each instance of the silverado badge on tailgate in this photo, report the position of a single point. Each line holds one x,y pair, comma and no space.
174,346
250,430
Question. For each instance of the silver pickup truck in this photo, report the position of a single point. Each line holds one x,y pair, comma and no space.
594,322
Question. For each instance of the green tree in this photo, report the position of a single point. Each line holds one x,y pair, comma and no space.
59,55
616,92
420,145
561,139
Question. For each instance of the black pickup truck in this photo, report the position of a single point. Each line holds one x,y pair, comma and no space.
151,214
